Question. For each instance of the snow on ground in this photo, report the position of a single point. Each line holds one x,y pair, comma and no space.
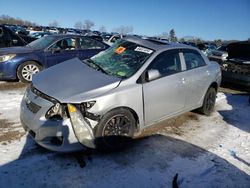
204,151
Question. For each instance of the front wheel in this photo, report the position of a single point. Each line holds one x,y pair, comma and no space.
208,102
26,71
115,130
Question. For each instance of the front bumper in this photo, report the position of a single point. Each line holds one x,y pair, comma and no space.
8,70
55,135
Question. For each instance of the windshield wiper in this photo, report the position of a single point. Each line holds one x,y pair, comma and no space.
91,63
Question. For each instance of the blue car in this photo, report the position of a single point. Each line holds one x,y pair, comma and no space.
22,62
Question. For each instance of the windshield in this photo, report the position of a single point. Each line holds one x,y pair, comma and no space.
123,59
42,42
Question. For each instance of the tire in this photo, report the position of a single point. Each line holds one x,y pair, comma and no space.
115,130
208,102
26,70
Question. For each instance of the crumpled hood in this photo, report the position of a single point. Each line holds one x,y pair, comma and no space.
15,50
73,82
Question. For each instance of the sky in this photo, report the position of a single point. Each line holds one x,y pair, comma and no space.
206,19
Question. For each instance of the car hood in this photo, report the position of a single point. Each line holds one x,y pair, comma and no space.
73,82
16,50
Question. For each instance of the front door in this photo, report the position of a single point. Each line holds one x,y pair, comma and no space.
60,51
164,96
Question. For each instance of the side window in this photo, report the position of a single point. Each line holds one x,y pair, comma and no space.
167,63
193,59
65,44
87,43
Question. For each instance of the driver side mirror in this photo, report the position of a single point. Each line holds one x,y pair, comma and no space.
152,75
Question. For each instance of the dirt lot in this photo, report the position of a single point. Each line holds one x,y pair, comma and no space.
204,151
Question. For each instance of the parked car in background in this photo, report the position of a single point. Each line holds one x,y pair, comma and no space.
104,100
97,32
106,36
18,29
23,62
219,55
9,38
206,48
236,69
38,35
94,36
111,40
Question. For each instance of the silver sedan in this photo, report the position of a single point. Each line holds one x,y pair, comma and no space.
103,101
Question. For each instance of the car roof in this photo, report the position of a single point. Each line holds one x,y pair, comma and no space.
64,35
156,44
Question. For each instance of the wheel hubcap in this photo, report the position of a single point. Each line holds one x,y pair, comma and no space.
117,126
28,71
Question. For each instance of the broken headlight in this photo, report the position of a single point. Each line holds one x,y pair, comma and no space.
88,105
84,107
56,112
82,130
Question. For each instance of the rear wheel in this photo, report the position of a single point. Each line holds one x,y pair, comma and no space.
208,102
115,130
26,71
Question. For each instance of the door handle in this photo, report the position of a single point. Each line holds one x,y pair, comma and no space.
208,73
183,80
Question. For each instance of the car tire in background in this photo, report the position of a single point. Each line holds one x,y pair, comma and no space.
115,130
208,102
26,70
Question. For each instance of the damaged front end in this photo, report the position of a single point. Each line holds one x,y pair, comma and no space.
236,71
83,122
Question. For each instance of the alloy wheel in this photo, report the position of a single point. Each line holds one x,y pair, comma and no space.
28,71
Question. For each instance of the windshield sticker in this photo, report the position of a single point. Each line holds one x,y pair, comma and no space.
121,73
144,50
120,49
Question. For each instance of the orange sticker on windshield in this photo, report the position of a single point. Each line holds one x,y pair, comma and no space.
120,50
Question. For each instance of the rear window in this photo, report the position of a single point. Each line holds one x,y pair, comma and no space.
193,60
87,43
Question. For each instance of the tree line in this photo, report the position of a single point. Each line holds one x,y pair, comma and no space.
5,19
88,25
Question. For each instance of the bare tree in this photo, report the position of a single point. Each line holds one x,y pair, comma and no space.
5,19
54,24
124,30
79,25
102,28
88,24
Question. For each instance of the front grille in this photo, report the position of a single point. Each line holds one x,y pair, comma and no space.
32,106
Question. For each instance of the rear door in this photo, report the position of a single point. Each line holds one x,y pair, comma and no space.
62,50
164,96
196,77
89,47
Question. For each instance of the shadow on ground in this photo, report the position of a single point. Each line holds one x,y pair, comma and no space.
239,115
